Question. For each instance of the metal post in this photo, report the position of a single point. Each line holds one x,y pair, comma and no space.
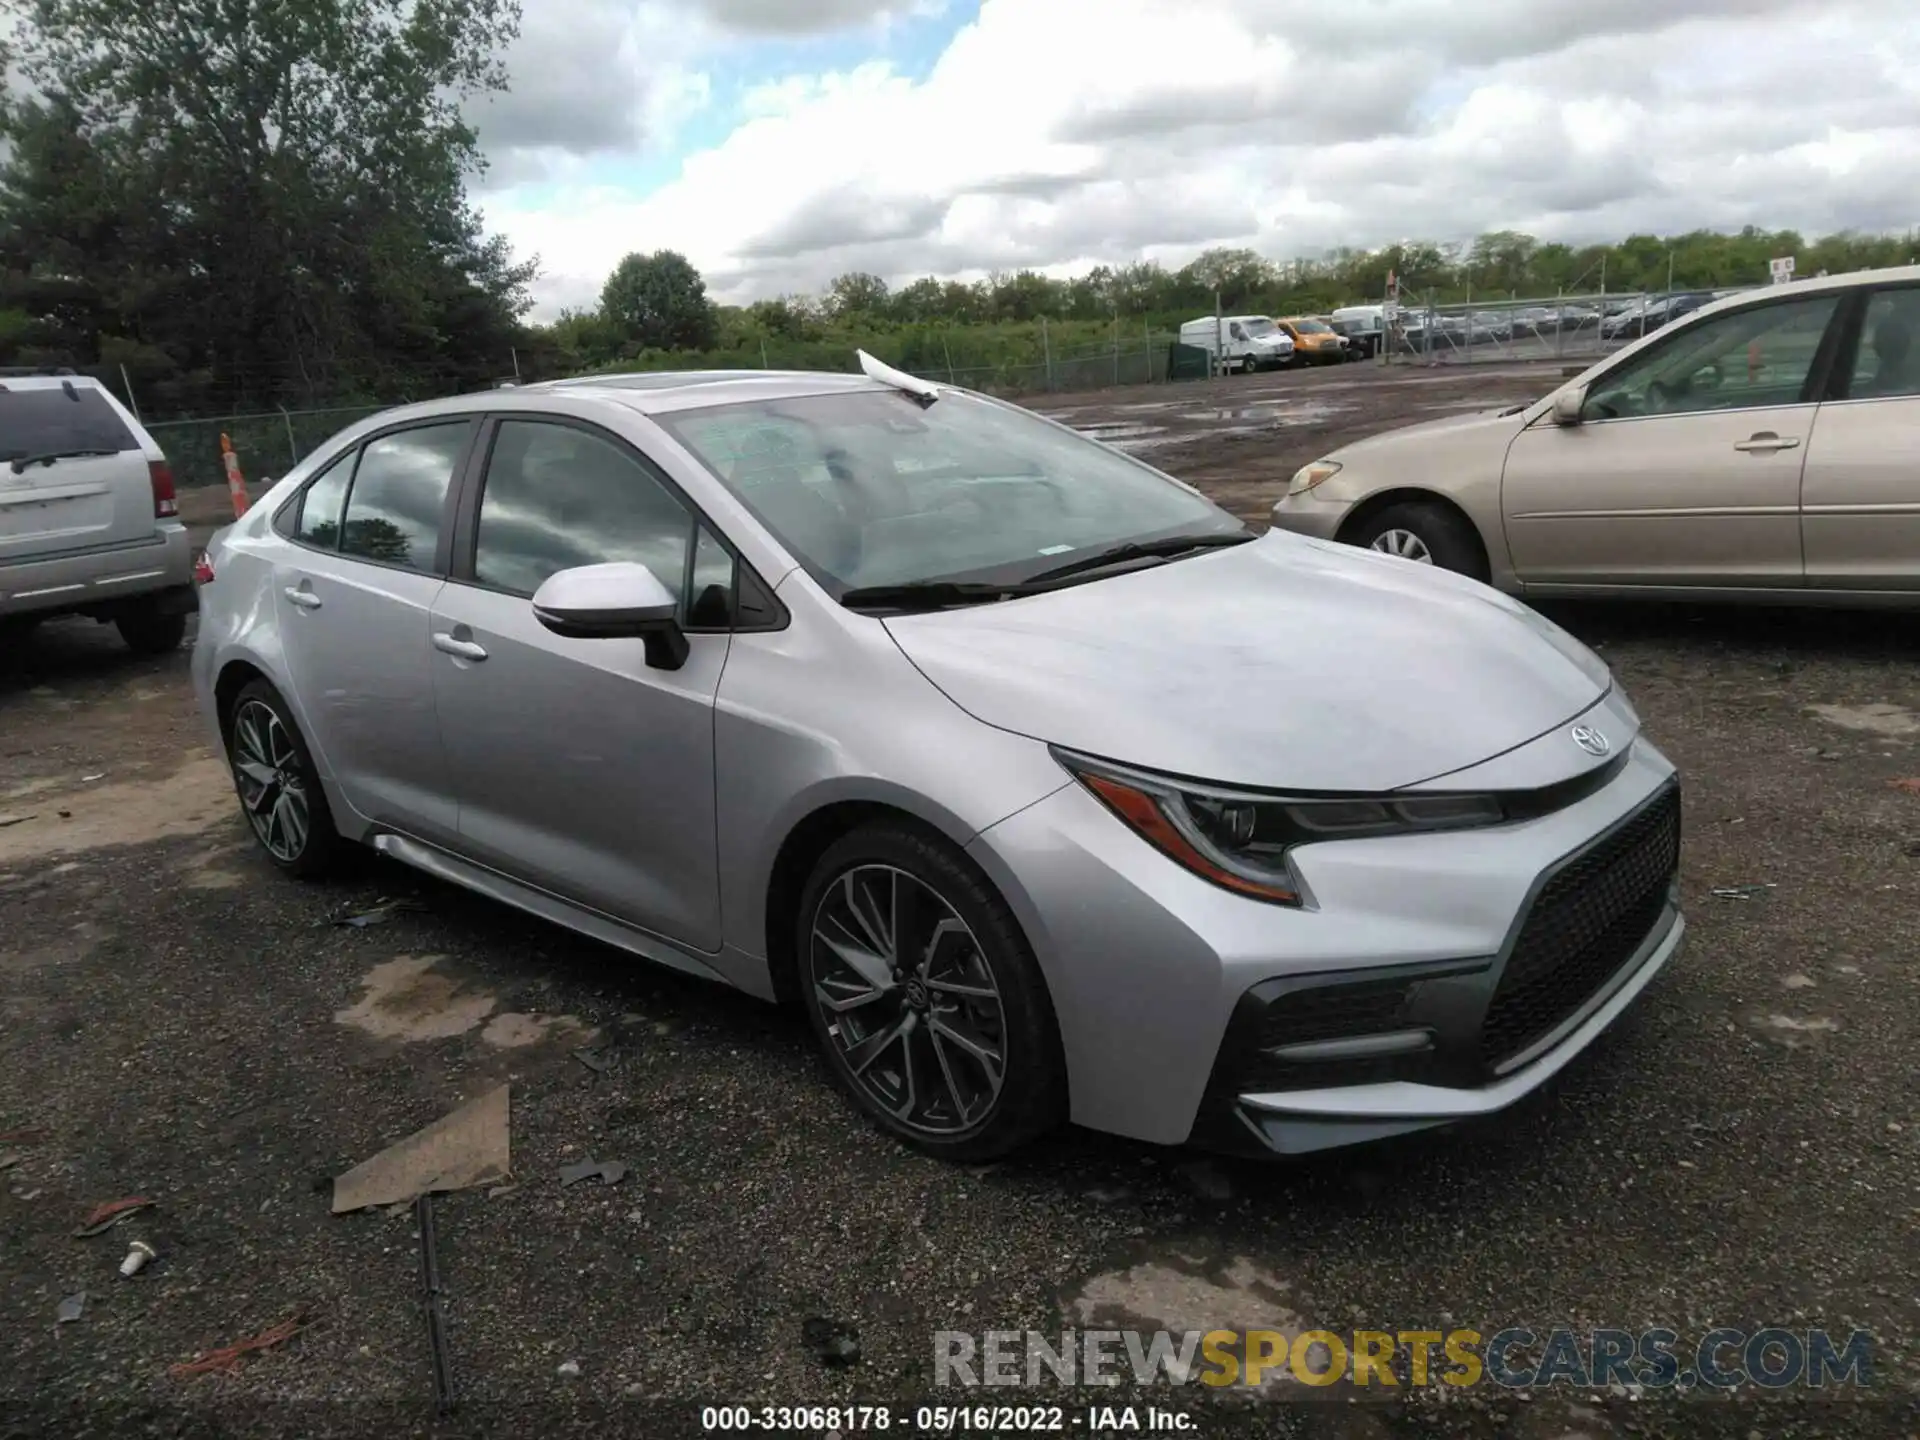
1146,331
763,354
1219,366
1046,346
947,350
132,403
1116,347
1669,274
515,353
293,446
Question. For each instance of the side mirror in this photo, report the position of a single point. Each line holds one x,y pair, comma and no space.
1568,404
617,601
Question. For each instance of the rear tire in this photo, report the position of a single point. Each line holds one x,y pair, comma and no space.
926,998
1425,532
149,633
279,789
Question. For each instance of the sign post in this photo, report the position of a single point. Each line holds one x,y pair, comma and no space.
1781,268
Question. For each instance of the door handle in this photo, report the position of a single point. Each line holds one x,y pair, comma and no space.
464,649
1766,442
305,599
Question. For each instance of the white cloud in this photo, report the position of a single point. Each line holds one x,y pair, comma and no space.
1057,132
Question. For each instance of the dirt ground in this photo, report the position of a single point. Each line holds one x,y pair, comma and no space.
177,1022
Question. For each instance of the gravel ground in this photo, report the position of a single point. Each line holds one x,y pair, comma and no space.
177,1022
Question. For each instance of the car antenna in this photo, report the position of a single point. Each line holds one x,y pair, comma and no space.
924,392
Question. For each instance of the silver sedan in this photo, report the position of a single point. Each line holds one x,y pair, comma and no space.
1042,785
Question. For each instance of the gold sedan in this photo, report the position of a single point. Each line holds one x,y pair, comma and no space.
1767,447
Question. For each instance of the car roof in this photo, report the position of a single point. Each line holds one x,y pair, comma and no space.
650,392
45,380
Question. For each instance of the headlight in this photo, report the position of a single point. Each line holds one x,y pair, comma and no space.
1240,841
1309,477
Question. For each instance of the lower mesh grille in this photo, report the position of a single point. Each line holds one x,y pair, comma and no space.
1586,922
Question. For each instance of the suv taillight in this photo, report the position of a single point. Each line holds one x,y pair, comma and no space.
165,505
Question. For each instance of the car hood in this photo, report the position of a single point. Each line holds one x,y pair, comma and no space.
1282,663
1506,421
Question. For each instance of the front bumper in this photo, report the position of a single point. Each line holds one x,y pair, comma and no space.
153,572
1317,1062
1160,980
1310,514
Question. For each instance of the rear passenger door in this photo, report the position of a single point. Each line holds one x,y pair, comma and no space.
580,769
1860,494
354,590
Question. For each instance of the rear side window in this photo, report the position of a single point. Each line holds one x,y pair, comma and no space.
316,517
398,498
59,421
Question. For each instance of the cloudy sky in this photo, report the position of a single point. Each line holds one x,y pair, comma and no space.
781,142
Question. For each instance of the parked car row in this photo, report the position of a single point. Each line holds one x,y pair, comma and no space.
1246,343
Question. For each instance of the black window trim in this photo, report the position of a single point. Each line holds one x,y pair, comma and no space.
471,482
1813,388
449,504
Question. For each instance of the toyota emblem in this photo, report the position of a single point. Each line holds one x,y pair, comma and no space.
1591,740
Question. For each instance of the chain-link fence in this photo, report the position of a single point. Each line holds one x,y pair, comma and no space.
269,443
1563,327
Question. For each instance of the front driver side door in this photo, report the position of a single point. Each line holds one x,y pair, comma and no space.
1685,468
578,768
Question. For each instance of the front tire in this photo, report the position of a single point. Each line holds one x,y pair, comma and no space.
279,789
148,633
926,998
1426,533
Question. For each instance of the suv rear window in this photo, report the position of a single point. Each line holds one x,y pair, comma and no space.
58,422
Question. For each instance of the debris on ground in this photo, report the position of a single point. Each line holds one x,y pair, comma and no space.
1910,785
71,1309
22,1137
465,1148
598,1061
382,911
1740,892
139,1256
227,1358
430,1301
612,1172
105,1217
570,1369
830,1342
7,820
9,1159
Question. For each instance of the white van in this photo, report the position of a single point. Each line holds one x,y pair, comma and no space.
1239,342
1363,325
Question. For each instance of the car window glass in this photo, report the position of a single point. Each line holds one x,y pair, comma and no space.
317,521
1236,332
59,421
557,497
314,518
1887,363
1756,356
399,494
867,488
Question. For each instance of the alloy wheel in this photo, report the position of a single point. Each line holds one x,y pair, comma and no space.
910,1003
1405,544
273,789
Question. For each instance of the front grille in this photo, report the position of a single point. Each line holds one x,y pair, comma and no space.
1586,923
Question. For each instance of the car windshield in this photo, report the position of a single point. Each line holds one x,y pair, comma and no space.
868,489
1311,327
63,421
1261,326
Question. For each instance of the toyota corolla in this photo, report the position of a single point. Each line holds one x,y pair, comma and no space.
1047,789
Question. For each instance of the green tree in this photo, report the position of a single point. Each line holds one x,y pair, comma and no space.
273,194
658,302
857,293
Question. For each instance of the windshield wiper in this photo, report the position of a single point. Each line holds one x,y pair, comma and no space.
1139,549
930,594
21,462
